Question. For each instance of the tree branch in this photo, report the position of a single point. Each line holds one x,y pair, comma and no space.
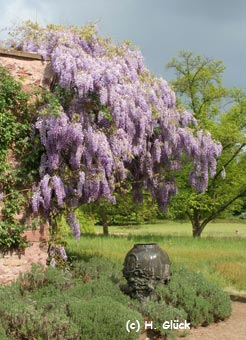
229,161
220,209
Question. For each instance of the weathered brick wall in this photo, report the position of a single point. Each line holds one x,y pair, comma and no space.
12,264
33,72
29,68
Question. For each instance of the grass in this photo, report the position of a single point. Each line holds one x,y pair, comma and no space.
219,255
218,228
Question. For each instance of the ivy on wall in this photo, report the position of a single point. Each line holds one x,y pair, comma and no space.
19,157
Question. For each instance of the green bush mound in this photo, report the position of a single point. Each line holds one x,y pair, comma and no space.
39,277
103,318
55,304
96,268
201,300
84,301
159,312
98,288
24,320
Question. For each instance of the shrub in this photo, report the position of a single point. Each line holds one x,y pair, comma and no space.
11,238
203,301
36,309
39,277
8,295
23,320
160,312
88,303
96,268
103,318
99,288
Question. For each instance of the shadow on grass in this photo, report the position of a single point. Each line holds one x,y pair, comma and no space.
75,256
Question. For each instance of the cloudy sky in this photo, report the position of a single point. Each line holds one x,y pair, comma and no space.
214,28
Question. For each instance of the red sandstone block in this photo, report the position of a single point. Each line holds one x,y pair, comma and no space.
10,67
36,235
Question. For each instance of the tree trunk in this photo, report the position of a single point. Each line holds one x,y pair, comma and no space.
196,224
105,230
104,220
196,231
196,219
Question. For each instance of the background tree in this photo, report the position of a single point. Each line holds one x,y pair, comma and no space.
118,123
126,211
198,85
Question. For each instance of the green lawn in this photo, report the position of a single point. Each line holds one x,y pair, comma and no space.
221,228
220,254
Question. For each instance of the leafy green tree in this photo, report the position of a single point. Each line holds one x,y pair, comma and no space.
221,111
126,211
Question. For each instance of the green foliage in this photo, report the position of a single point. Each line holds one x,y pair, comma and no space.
201,300
52,103
125,212
62,229
198,84
23,320
98,288
13,107
86,221
53,304
18,159
159,312
39,277
87,303
221,111
103,318
11,238
97,268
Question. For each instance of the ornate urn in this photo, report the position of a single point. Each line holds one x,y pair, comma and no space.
146,266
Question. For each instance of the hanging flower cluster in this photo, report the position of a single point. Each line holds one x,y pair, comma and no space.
120,123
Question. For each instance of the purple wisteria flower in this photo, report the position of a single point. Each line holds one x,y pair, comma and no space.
120,123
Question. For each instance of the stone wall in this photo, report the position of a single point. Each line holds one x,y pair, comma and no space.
29,68
13,264
33,72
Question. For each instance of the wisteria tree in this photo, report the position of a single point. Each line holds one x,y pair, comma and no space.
118,122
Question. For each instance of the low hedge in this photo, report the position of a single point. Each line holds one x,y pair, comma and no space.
86,302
